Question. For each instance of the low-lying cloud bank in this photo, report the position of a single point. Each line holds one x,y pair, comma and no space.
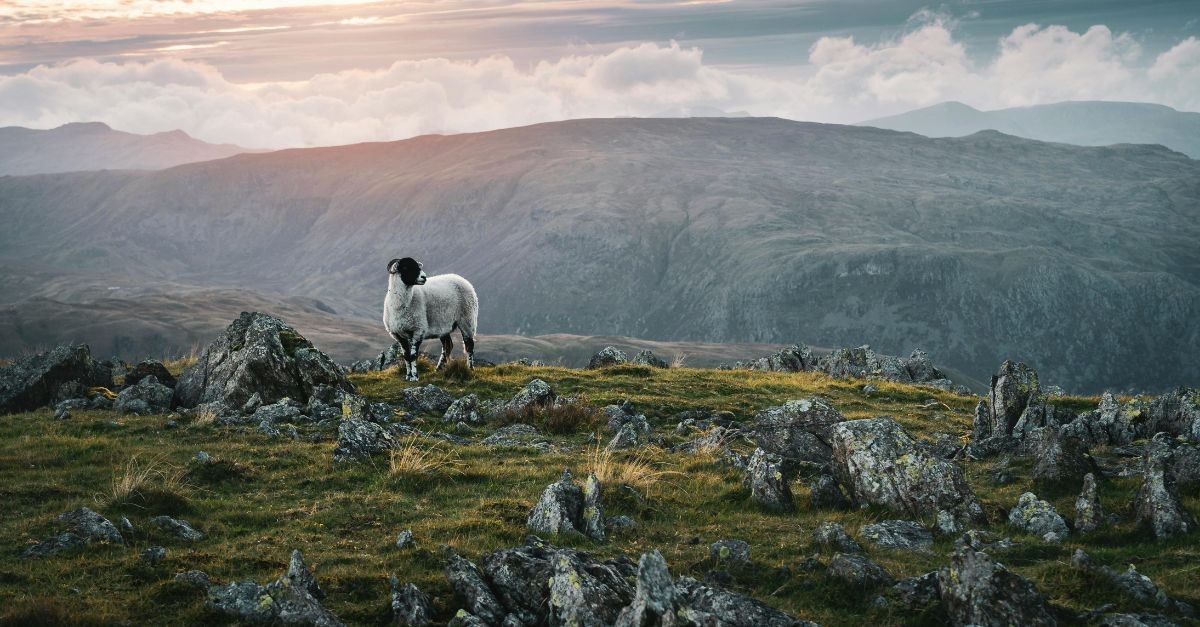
843,81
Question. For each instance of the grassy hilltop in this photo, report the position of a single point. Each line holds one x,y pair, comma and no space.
266,497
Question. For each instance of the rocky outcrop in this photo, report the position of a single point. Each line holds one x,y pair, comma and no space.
149,368
794,358
853,363
825,493
360,439
857,570
903,535
797,431
648,358
260,354
1132,584
1037,517
1157,505
410,606
975,590
1058,458
832,535
1089,516
292,599
426,399
466,410
45,379
608,357
879,464
768,482
564,507
147,397
84,527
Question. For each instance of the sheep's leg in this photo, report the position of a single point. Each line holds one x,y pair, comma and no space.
447,349
410,358
469,346
412,361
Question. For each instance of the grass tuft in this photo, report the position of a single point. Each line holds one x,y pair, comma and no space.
458,371
637,470
415,461
151,484
571,416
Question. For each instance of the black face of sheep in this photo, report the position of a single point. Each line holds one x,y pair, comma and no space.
409,270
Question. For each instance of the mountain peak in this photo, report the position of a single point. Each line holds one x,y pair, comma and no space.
84,127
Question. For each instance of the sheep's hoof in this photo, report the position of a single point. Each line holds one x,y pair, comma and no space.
411,377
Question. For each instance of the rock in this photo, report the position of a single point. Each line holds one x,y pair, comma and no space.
410,606
880,464
293,599
825,493
617,524
426,399
1157,505
536,393
983,541
593,512
832,535
468,582
946,525
1001,474
648,358
1089,516
869,389
34,382
466,410
466,619
149,368
1036,517
178,528
654,598
1040,414
618,416
202,458
1135,620
127,528
258,353
85,527
608,357
283,411
975,590
153,555
626,437
405,540
916,592
585,593
735,553
560,509
767,483
1132,584
1008,396
904,535
360,439
795,358
855,569
798,430
515,435
703,605
194,579
1059,459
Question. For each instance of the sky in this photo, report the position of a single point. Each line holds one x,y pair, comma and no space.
292,73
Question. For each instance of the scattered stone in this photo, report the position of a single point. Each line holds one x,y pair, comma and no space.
203,458
1059,459
797,431
536,393
153,555
825,493
1037,517
38,381
464,410
149,368
293,599
268,429
85,527
468,581
516,435
146,398
880,464
916,592
560,509
767,483
979,540
869,389
618,524
1089,516
360,439
426,399
410,606
194,578
608,357
127,528
734,553
258,353
176,527
975,590
626,437
1157,503
946,524
904,535
593,512
1132,584
857,570
832,535
405,540
648,358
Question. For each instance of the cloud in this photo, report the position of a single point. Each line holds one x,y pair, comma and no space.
841,80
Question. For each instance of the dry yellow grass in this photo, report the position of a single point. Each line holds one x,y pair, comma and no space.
134,480
204,417
637,470
415,460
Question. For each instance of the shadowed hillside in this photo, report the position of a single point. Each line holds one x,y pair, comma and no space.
1081,261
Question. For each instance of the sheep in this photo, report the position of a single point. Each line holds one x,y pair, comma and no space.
418,307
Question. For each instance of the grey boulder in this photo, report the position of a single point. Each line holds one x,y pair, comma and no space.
975,590
47,378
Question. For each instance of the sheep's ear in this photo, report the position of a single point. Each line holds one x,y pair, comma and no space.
394,266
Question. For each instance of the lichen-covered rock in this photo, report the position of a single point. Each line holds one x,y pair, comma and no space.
536,393
798,430
40,380
468,582
702,605
648,358
426,399
945,524
733,552
975,590
903,535
794,358
410,606
466,410
560,509
1157,504
855,569
654,598
176,527
585,593
593,511
607,357
832,535
1009,395
880,464
1037,517
768,484
292,599
153,555
258,353
85,527
916,592
825,493
194,579
284,411
360,439
626,437
1089,516
1132,584
1058,458
148,368
1039,414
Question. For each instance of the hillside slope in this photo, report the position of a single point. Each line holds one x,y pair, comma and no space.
978,249
1090,123
96,146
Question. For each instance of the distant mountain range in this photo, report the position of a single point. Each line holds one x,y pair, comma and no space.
1082,261
1089,123
96,146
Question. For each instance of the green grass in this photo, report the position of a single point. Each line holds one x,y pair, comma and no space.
265,497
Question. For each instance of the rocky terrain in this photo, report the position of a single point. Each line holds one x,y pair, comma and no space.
1094,123
96,146
1080,261
262,483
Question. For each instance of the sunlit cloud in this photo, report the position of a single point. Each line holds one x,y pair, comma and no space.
244,29
33,11
175,48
